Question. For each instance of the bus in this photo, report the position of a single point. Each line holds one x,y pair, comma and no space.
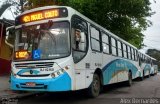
154,69
145,63
59,49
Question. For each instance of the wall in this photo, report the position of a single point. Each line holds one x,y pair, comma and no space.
5,56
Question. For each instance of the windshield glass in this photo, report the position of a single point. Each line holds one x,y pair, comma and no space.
44,41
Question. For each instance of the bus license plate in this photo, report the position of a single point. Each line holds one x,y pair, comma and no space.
30,84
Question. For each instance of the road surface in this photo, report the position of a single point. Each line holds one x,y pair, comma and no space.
141,92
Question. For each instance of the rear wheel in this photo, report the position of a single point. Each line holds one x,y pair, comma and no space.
142,77
129,82
153,73
148,75
95,87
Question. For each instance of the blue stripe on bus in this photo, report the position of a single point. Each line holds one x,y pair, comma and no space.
115,66
60,83
147,68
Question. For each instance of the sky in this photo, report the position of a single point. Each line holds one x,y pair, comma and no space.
152,34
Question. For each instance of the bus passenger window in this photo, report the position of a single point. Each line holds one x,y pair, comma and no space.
113,45
124,51
105,43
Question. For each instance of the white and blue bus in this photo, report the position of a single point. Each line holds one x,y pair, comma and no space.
59,49
154,69
145,63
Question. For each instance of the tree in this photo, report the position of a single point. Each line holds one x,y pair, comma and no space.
39,3
10,3
3,8
127,19
154,53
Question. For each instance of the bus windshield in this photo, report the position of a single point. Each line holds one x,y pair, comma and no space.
43,41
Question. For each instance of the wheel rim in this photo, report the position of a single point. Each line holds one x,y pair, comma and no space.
96,85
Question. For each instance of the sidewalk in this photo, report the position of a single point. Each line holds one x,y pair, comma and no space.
6,93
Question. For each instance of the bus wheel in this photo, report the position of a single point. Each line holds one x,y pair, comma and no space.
95,87
148,75
129,82
142,78
153,73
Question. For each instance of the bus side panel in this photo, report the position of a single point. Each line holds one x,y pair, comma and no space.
107,58
83,73
121,68
147,69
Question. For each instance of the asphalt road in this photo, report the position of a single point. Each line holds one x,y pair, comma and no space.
141,92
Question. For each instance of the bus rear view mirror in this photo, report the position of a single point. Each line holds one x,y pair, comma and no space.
10,36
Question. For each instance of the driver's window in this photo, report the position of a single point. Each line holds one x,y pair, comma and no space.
79,38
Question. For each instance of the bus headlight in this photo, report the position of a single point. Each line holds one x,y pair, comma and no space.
59,72
53,75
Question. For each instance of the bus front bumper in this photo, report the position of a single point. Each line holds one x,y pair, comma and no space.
61,83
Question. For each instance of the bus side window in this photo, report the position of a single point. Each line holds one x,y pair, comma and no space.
124,51
95,39
140,59
105,43
79,38
114,46
119,44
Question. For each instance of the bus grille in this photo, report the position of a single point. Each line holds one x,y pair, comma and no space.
38,86
34,65
40,75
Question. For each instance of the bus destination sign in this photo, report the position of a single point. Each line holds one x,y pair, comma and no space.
42,15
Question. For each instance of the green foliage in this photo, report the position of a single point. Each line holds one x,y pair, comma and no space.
40,3
12,4
3,8
154,53
125,18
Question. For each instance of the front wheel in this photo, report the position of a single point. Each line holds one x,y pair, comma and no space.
94,89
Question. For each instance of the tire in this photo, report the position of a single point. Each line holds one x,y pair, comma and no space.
148,75
152,74
94,89
142,78
129,82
